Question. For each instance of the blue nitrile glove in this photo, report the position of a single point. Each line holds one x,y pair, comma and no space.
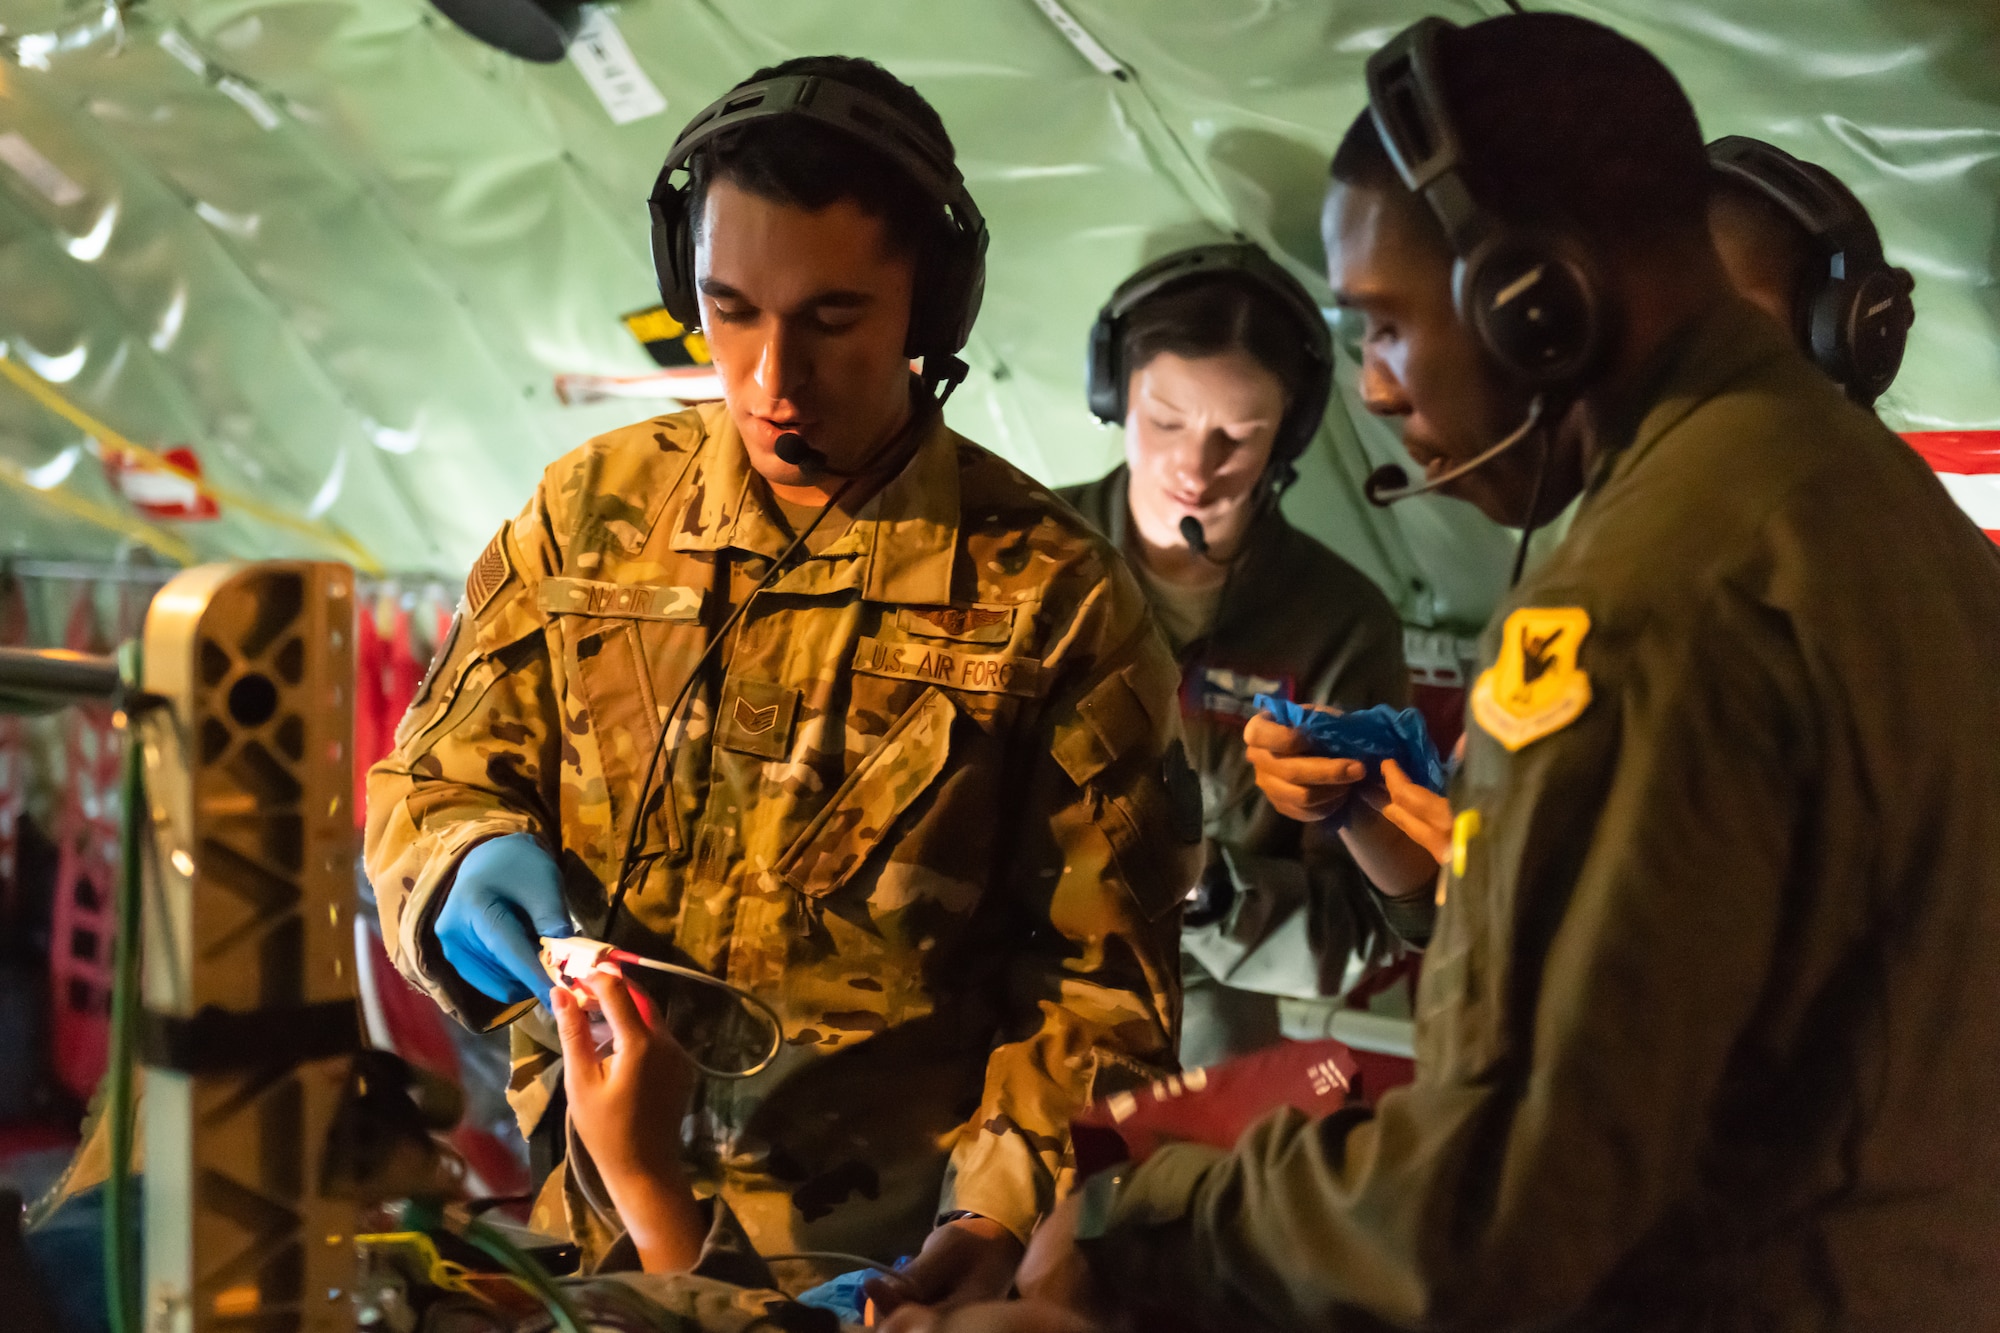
507,895
1367,734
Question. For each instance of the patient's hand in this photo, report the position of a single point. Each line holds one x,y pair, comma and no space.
627,1105
965,1260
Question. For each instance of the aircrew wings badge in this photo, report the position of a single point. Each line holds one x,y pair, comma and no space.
1535,687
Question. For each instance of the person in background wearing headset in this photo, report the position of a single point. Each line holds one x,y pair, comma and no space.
1709,1030
1218,364
806,693
1797,244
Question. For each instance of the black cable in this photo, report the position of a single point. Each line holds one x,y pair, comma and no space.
1529,524
919,422
636,835
1515,5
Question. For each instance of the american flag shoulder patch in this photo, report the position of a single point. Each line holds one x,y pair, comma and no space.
489,574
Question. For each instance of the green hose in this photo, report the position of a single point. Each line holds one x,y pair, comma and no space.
531,1274
121,1283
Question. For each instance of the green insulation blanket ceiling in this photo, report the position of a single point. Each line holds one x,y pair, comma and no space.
341,250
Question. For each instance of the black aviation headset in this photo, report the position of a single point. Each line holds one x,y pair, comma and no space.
1530,295
1855,318
951,267
950,279
1109,377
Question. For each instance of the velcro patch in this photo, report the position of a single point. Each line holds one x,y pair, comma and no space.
1535,687
994,673
636,601
966,624
489,574
757,718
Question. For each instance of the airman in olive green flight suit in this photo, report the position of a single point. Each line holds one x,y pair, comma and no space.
1297,621
1709,1032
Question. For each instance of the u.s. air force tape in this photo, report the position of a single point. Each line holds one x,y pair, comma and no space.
933,664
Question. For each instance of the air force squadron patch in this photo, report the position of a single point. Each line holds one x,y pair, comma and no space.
1535,687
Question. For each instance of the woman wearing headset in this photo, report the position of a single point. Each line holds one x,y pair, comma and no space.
1217,363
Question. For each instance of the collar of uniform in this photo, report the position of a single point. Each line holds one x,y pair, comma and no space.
1260,576
907,533
1118,496
905,536
721,510
1728,342
1257,578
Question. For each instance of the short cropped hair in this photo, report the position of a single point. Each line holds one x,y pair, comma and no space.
808,165
1216,315
1565,124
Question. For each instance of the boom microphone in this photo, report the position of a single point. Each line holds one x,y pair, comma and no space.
796,450
1390,484
1193,534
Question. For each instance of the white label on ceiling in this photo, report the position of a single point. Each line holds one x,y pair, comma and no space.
607,65
176,44
38,171
250,100
1086,46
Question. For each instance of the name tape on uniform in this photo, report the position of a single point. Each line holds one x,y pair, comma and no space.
990,673
637,601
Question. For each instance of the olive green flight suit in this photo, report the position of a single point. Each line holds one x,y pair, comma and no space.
1709,1032
930,802
1298,621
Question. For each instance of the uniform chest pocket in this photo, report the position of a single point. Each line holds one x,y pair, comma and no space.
627,642
861,813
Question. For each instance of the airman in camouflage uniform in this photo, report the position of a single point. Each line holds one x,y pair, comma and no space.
930,802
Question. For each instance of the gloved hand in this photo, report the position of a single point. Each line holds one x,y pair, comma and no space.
507,895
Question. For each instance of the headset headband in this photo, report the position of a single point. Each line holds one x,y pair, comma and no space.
951,270
1855,317
1246,262
1242,259
1530,295
1807,193
1406,102
845,108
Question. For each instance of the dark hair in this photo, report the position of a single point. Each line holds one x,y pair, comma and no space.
1213,316
1785,240
1565,124
809,165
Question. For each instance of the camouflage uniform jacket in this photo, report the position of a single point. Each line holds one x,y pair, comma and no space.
941,818
1299,622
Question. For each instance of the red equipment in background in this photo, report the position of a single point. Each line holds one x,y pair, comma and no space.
83,927
1968,463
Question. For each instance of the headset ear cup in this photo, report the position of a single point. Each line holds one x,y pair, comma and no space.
673,257
1858,328
1105,376
1827,324
1532,302
945,295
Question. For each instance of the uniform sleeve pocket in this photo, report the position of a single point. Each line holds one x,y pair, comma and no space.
1142,808
471,658
861,813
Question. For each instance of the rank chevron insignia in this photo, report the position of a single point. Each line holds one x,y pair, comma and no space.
755,721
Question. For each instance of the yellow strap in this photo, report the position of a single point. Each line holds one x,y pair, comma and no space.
50,397
168,545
